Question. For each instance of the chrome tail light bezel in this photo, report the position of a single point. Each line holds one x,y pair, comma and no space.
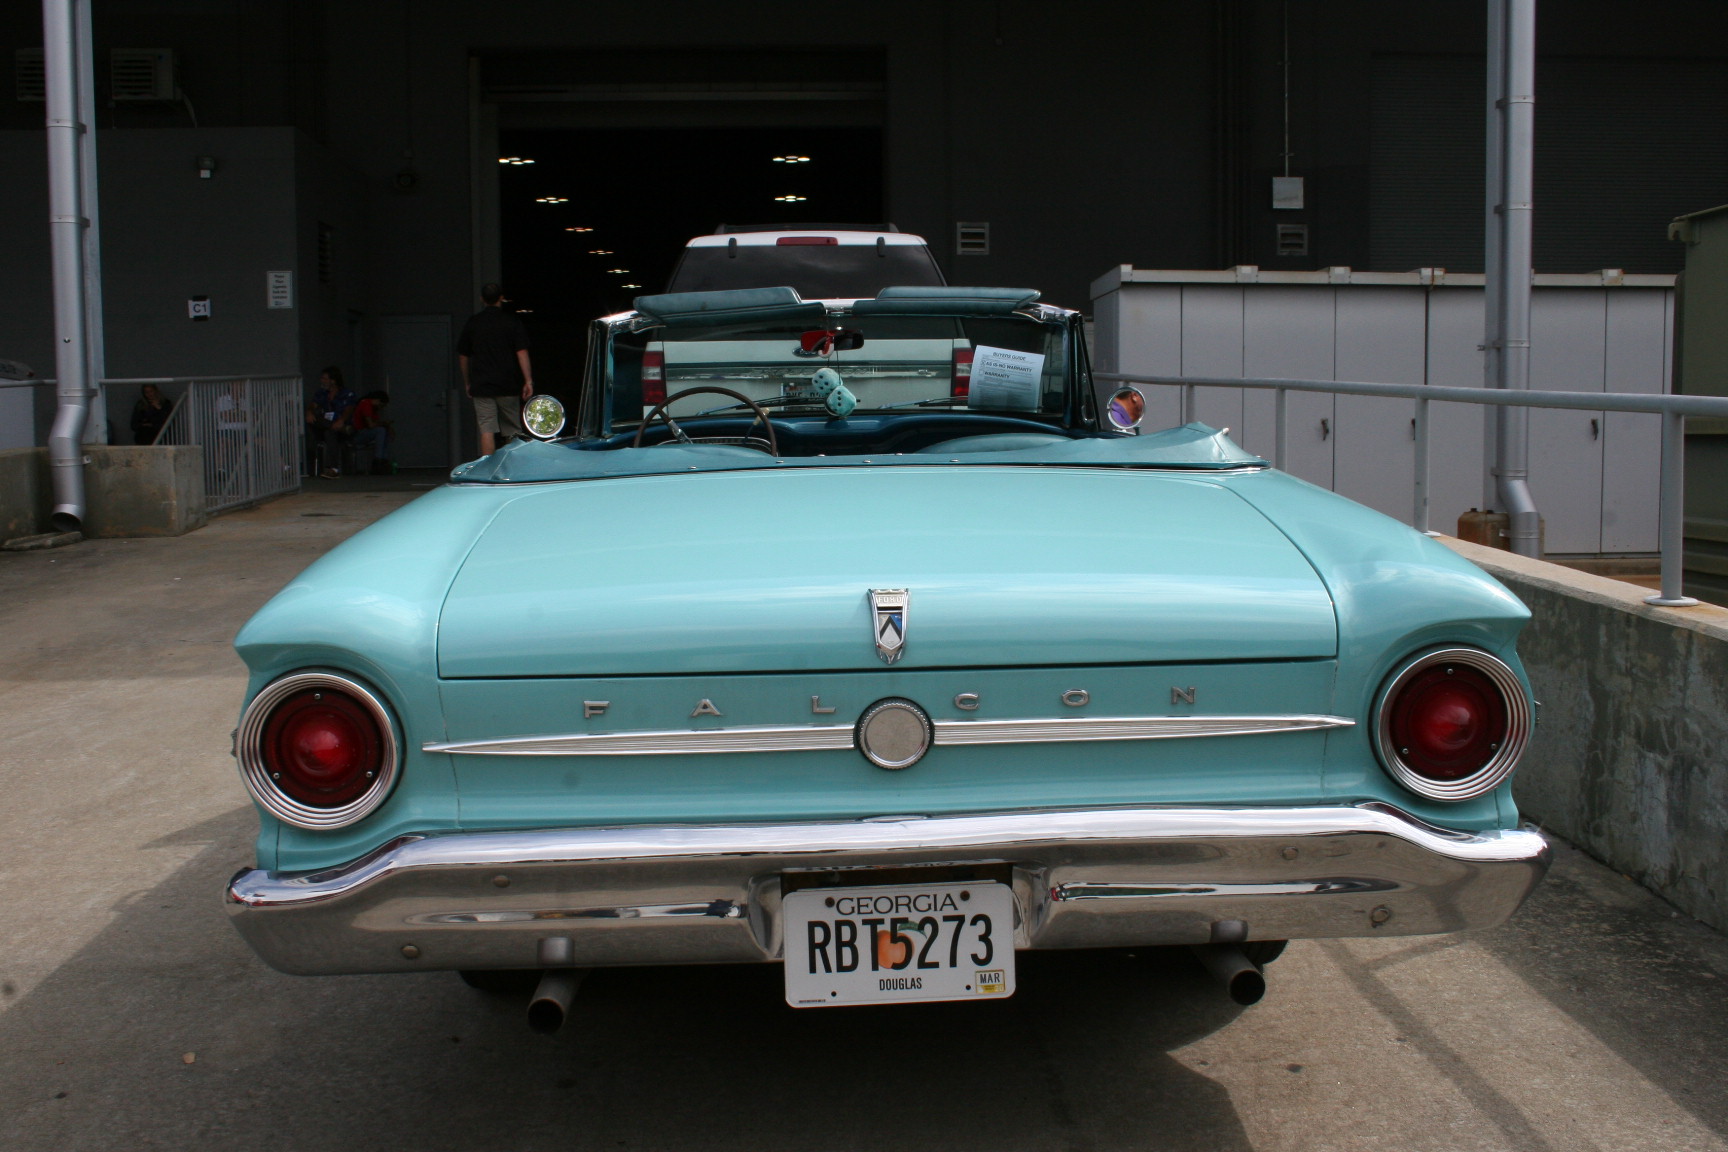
1498,767
248,750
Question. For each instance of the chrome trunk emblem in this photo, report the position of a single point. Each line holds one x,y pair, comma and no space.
888,616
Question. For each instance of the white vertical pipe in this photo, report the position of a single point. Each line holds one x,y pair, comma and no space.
96,426
66,234
1517,183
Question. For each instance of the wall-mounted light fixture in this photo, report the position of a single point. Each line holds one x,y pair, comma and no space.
206,167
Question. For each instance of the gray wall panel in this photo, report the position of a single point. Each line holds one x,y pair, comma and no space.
1212,345
1596,487
1289,332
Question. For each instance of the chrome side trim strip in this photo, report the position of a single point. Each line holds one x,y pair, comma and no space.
826,737
813,738
1327,886
1077,728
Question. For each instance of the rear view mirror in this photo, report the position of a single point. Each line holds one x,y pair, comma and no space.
822,341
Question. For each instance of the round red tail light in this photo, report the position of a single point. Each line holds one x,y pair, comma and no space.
1453,723
317,750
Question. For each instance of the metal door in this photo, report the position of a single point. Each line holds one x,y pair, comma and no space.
1379,336
1566,355
416,358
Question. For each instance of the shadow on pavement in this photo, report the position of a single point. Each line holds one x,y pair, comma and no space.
668,1059
1649,982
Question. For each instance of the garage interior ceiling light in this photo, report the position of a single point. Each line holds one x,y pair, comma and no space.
790,159
576,229
629,285
618,271
599,251
516,160
551,199
789,199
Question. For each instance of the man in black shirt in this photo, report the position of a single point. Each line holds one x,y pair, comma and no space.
493,352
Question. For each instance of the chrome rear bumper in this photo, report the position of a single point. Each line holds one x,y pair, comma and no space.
695,894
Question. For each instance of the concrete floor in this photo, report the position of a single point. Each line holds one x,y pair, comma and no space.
131,1016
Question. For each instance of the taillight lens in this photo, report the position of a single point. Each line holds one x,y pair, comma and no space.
317,749
962,379
653,378
1453,723
322,748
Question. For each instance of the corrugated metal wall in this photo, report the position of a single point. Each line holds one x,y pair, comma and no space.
1623,145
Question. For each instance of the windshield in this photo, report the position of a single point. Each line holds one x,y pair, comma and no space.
1002,365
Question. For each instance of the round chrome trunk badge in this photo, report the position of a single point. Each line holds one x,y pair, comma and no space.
894,733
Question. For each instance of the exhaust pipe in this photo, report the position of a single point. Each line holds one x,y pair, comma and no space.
551,1004
1227,963
1240,976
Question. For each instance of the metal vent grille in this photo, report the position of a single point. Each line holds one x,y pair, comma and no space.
141,74
30,75
972,239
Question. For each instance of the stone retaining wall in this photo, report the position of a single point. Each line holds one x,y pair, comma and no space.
1630,759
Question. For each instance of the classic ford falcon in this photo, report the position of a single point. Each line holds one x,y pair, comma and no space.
865,638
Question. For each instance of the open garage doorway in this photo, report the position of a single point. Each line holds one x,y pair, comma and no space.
591,218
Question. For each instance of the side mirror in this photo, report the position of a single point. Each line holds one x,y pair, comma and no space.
543,416
1126,409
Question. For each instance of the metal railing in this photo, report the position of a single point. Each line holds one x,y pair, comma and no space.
249,428
1672,409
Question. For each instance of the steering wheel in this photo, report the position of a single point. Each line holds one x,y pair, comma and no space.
660,411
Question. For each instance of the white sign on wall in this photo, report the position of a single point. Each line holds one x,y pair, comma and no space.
281,289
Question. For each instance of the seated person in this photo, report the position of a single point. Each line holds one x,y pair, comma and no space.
329,415
371,423
149,414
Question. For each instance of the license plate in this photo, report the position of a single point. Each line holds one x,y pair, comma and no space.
899,944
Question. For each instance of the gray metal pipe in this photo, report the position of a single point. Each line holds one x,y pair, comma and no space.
1650,402
1493,245
1673,530
66,233
1516,102
95,337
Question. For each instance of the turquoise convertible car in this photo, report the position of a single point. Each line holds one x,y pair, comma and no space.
866,638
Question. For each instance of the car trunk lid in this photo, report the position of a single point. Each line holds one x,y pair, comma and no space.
771,570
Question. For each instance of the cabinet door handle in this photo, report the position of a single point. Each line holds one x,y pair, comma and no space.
1325,428
1595,429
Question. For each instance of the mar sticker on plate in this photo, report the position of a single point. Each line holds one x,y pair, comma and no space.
899,944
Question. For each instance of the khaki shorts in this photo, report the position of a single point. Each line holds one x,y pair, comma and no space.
493,411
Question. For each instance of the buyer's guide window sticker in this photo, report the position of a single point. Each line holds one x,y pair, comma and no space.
1003,378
